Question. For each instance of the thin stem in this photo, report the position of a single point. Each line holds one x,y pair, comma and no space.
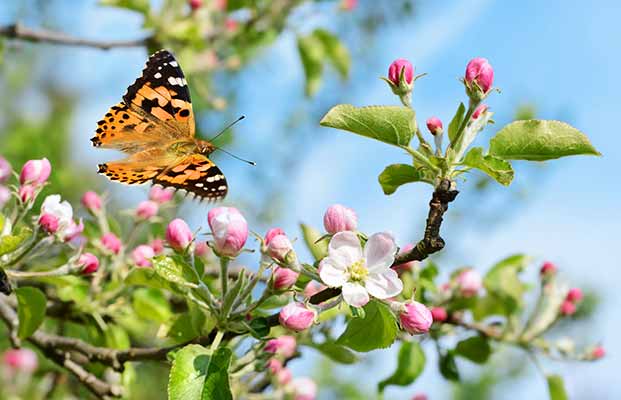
62,270
224,277
421,158
217,340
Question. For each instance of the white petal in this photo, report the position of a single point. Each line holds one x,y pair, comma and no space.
380,252
332,273
355,294
345,248
384,285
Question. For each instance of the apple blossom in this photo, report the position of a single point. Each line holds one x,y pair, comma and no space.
312,288
5,169
22,360
479,77
5,195
161,195
481,108
49,223
415,317
394,71
111,242
35,172
270,234
598,352
284,278
284,376
547,269
178,234
574,295
142,255
420,396
304,389
229,229
26,193
338,218
279,246
157,245
195,4
56,214
201,249
91,201
284,346
434,124
469,282
73,230
89,263
361,272
297,317
439,314
568,308
146,209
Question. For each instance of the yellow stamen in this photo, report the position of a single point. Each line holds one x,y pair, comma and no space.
358,271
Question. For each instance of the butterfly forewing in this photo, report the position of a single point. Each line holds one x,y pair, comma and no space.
195,174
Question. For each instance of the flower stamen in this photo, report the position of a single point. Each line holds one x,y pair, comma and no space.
358,271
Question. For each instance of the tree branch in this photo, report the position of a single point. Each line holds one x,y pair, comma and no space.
431,242
20,32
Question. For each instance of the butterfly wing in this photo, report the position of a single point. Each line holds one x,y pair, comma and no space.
139,168
195,174
156,107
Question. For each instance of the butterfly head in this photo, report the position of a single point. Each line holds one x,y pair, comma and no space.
204,147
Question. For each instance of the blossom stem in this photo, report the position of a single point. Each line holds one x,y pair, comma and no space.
224,278
421,158
217,340
248,291
62,270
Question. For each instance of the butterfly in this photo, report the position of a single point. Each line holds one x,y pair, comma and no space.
154,125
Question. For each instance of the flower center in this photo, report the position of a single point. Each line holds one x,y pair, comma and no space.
358,271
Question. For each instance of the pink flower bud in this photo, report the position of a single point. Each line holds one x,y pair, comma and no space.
415,318
271,234
284,346
348,5
597,353
5,169
201,249
547,269
296,316
89,263
339,218
284,278
220,4
195,4
146,210
394,71
111,242
574,295
420,396
408,265
439,314
469,282
178,234
26,193
304,389
229,229
5,195
73,230
35,172
284,376
161,195
157,245
274,365
434,125
480,71
479,110
231,25
91,201
568,308
279,247
20,360
142,256
313,288
49,223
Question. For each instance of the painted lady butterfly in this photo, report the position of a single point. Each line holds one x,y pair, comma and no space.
154,125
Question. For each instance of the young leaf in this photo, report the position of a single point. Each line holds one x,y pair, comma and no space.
396,175
389,124
410,365
336,52
456,121
151,304
448,367
217,385
31,303
475,349
172,269
141,6
10,243
495,167
556,387
336,352
318,248
312,54
377,329
538,140
502,281
187,374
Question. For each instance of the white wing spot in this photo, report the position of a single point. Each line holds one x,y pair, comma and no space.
157,75
223,187
199,185
174,63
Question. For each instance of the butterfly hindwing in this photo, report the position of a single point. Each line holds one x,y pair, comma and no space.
195,174
139,168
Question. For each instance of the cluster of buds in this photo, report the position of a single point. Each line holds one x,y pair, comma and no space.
32,178
56,218
573,297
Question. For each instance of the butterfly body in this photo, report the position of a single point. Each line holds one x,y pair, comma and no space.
154,126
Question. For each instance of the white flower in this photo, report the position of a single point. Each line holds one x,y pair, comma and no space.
61,210
359,272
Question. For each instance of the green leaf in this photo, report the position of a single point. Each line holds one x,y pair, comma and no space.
336,352
502,281
217,385
475,349
141,6
448,367
336,52
495,167
187,374
10,243
456,121
151,304
318,248
116,337
259,327
410,365
173,269
396,175
389,124
147,277
538,140
312,54
31,304
377,329
556,387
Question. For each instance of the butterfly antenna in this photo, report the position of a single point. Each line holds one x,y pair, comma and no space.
236,157
227,128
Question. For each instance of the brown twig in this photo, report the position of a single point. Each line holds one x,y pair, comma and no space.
431,242
20,32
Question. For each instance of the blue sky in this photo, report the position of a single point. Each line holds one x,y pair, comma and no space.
562,56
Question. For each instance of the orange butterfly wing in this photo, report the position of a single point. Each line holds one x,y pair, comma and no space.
195,174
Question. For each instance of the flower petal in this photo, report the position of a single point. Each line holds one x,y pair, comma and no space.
345,249
380,252
384,285
355,294
332,273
